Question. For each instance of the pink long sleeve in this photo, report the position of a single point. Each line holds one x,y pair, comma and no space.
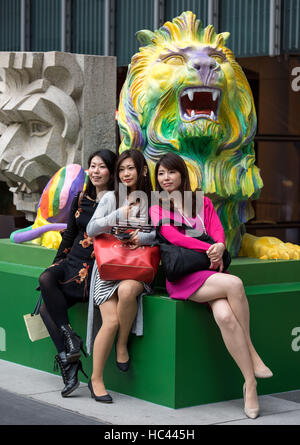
172,234
212,222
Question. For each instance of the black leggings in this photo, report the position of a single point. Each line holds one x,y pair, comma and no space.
54,311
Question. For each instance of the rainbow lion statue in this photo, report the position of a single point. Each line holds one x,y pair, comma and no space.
53,208
186,93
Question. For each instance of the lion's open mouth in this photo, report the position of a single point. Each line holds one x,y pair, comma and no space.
199,103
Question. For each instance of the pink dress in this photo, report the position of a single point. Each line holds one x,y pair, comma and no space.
183,288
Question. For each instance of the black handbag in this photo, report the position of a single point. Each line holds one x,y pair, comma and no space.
178,262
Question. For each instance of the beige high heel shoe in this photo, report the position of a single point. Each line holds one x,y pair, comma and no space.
266,374
252,413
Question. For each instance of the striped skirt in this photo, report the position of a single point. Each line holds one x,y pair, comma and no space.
104,289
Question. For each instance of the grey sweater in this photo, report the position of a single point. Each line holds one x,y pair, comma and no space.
105,217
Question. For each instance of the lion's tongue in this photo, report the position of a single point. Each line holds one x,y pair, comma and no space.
189,111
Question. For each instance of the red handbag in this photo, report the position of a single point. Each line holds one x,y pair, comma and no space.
116,261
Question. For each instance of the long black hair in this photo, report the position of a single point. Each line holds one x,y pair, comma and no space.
109,158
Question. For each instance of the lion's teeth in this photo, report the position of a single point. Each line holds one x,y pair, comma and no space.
193,113
215,95
191,95
212,116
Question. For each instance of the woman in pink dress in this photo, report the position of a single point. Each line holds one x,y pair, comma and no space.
224,293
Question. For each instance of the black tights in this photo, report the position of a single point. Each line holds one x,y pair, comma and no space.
54,311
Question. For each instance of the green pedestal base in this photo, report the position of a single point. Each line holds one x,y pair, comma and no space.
181,359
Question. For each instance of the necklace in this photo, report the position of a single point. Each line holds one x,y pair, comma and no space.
190,225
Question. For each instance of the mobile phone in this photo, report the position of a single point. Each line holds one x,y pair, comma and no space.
123,236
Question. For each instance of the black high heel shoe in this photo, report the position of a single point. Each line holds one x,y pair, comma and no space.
104,399
73,344
69,373
122,366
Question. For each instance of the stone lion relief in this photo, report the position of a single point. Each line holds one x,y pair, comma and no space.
50,116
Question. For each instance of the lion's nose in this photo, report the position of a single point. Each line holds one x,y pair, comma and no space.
206,66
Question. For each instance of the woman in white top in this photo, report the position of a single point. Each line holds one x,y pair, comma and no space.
117,300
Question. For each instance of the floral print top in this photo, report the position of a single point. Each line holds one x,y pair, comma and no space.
75,242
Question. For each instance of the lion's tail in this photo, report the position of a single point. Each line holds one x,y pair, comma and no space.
28,234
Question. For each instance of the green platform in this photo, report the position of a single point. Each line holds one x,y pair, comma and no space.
181,359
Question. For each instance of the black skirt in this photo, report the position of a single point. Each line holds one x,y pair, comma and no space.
73,264
74,277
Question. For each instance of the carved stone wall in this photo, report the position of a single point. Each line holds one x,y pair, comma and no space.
55,109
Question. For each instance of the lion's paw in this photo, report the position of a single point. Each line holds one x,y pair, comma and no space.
51,240
268,248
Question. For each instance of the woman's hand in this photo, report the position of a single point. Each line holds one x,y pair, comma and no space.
133,241
125,210
214,265
215,252
130,210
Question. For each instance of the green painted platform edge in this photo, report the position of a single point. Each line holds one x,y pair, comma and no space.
252,271
20,269
259,272
27,253
261,289
240,261
272,288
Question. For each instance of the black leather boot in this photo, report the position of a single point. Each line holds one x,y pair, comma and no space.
69,372
73,343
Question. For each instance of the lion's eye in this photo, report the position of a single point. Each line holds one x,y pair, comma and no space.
174,60
218,58
38,128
